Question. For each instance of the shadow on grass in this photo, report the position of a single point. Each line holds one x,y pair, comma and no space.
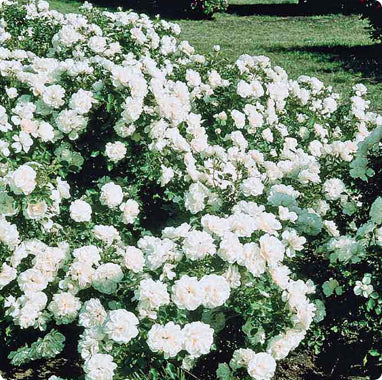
179,9
364,60
283,10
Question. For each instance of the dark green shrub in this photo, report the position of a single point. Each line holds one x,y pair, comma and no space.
372,11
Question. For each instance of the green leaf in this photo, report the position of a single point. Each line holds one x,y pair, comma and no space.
154,374
48,347
215,319
110,100
370,304
171,370
374,295
223,372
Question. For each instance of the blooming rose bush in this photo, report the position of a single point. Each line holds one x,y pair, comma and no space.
149,195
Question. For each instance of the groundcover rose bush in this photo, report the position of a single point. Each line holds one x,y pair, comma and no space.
149,195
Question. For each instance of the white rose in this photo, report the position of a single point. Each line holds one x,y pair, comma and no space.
7,275
252,259
130,211
36,210
64,307
242,224
108,234
198,244
115,151
97,44
316,148
132,258
262,366
121,326
11,92
331,227
239,118
279,347
241,358
92,314
106,278
54,95
23,180
81,274
272,249
216,290
174,233
32,280
198,338
280,275
334,188
43,6
215,225
133,109
82,101
187,293
193,78
89,254
222,116
252,186
111,195
69,121
45,131
80,211
63,188
152,294
230,248
9,234
167,175
233,276
244,89
167,339
267,135
195,198
100,367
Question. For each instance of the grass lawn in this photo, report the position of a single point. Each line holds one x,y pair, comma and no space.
335,48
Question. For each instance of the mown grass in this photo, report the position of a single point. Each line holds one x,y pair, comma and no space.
336,48
66,6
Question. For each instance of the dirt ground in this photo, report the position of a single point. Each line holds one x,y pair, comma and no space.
299,366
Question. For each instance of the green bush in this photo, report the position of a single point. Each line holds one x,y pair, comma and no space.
208,7
372,11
